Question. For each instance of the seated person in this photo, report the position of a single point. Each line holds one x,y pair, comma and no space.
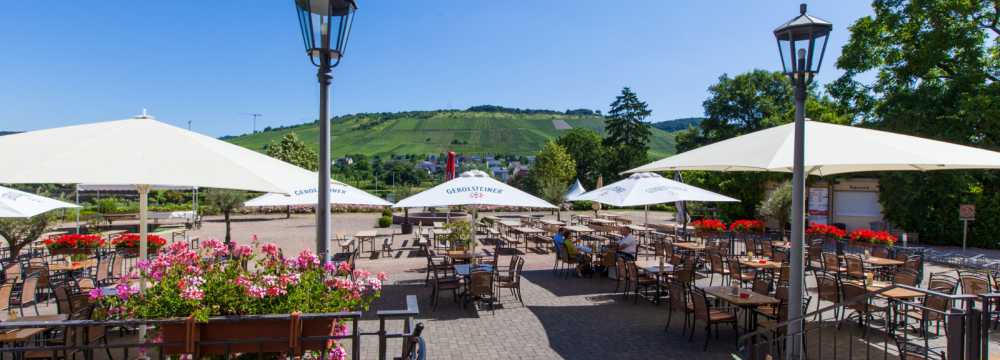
582,259
628,245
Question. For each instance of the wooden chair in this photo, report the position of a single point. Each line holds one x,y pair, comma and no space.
814,256
761,283
974,282
512,278
709,315
679,301
29,291
718,267
831,264
855,266
639,282
856,296
481,288
436,262
737,275
906,277
621,275
828,289
443,282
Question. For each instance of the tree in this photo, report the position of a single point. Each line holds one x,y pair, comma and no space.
21,232
292,150
226,201
587,151
936,66
739,105
627,134
554,163
778,205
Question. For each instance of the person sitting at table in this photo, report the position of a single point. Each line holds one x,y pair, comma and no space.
628,245
572,251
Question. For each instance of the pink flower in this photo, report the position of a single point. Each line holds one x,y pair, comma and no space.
256,291
339,329
330,267
125,291
243,281
242,251
307,259
95,293
215,247
375,284
361,274
275,291
270,249
382,276
338,353
192,293
344,267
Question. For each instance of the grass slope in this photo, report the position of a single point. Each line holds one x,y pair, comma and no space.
432,132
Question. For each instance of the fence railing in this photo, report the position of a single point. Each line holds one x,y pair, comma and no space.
965,325
267,336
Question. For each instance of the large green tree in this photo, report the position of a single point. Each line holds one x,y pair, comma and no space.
587,151
554,169
627,134
292,150
936,66
740,105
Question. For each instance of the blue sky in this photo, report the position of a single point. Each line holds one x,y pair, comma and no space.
211,62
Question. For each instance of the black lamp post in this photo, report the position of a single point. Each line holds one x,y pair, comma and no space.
325,25
798,40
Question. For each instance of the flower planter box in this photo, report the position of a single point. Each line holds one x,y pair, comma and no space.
251,334
71,251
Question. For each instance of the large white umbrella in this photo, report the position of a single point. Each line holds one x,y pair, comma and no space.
340,193
829,149
20,204
141,152
576,190
474,188
644,189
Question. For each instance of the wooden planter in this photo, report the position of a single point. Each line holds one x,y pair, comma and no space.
245,335
71,251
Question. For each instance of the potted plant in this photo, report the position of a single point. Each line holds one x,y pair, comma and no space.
708,227
826,232
866,237
203,287
747,227
460,235
128,243
74,244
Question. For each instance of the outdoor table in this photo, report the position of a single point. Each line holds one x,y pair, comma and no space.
465,271
602,222
756,264
691,246
749,303
877,261
17,336
551,222
583,219
579,229
464,256
524,231
73,266
366,236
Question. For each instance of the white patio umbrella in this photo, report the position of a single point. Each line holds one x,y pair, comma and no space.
20,204
141,152
576,190
829,149
474,188
644,189
340,193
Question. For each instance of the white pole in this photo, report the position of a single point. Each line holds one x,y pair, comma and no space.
78,209
646,216
143,241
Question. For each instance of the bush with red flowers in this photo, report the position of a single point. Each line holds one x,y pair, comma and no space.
874,237
825,230
709,225
131,241
74,241
747,226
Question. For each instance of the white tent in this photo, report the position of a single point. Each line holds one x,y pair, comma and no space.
645,189
829,149
20,204
474,188
574,191
141,152
340,193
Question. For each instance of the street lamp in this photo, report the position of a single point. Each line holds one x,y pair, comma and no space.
325,26
800,38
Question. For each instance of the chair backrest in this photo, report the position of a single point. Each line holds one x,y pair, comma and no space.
881,252
28,288
854,292
943,282
5,292
12,272
751,245
518,268
814,252
678,295
116,266
973,282
784,274
828,288
831,263
913,262
761,283
62,300
734,266
779,255
716,261
102,267
481,283
855,266
700,302
906,277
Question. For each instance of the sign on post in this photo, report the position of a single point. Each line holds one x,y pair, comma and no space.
966,213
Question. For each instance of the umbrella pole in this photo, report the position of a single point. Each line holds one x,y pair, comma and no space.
78,209
646,215
143,241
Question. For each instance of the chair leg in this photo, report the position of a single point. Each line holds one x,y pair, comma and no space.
708,334
670,315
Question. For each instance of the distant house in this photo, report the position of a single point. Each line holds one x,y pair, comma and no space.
344,161
514,164
492,163
474,158
518,171
531,159
500,173
430,167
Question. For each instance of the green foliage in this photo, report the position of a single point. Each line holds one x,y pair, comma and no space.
935,66
778,205
107,205
677,124
431,132
20,232
555,164
628,134
587,150
292,150
385,221
387,212
461,233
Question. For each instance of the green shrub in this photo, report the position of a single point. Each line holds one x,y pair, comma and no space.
385,221
387,212
583,205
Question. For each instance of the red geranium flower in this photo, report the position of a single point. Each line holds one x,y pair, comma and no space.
75,241
131,241
709,225
825,230
747,226
874,237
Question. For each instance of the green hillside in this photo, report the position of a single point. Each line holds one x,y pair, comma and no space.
432,132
